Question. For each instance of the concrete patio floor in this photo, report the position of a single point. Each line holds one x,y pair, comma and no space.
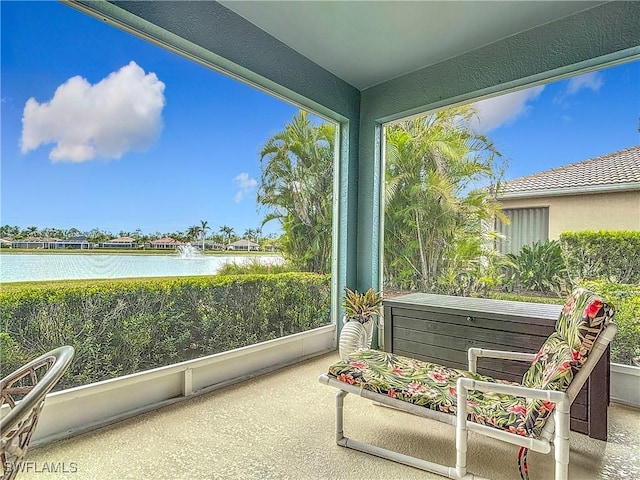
281,426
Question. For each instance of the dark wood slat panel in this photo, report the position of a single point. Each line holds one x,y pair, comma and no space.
578,425
462,337
503,369
541,328
599,383
579,411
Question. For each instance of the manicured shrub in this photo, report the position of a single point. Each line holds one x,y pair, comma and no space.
612,255
625,347
515,297
254,266
124,326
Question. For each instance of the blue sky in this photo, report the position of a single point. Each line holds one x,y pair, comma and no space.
173,143
566,121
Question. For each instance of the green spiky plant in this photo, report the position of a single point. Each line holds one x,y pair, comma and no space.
362,307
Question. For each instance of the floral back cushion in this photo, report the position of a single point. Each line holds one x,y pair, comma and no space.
553,366
582,319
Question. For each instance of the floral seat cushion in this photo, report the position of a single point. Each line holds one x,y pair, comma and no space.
432,386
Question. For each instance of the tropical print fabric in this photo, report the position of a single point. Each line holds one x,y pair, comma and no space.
434,386
583,317
553,368
581,320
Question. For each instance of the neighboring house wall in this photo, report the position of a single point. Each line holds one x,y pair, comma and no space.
601,211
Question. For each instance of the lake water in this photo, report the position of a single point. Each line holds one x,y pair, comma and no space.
34,267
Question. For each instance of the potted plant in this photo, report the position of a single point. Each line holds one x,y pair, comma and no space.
359,320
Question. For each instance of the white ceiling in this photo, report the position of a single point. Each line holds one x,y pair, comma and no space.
369,42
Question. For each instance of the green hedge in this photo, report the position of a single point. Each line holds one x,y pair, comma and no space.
613,255
625,347
124,326
517,297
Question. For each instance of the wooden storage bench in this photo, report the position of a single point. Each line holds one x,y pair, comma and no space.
441,329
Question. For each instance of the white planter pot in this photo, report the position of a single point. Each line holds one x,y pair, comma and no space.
369,327
625,384
355,336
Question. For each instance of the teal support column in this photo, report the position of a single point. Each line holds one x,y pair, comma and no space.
345,227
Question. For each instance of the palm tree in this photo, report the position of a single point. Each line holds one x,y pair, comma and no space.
193,232
73,233
204,226
9,231
250,234
433,214
296,189
227,232
96,236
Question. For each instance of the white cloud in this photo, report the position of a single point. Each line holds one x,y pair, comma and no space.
592,81
120,113
245,186
505,109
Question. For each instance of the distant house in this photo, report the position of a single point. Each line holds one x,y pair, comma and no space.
165,242
80,242
5,242
270,248
209,245
35,242
245,245
122,242
601,193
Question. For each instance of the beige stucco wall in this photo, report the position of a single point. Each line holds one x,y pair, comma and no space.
602,211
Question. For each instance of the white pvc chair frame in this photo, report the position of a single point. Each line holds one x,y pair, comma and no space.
20,421
555,431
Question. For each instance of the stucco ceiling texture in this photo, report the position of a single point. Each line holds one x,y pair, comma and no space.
369,42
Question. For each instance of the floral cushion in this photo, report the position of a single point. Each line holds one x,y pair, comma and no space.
433,386
582,319
552,369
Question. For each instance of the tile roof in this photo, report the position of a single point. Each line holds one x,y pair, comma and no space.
167,241
602,173
121,240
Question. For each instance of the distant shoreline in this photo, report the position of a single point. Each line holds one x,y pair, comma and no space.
132,251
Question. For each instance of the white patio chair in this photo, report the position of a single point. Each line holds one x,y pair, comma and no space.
23,394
